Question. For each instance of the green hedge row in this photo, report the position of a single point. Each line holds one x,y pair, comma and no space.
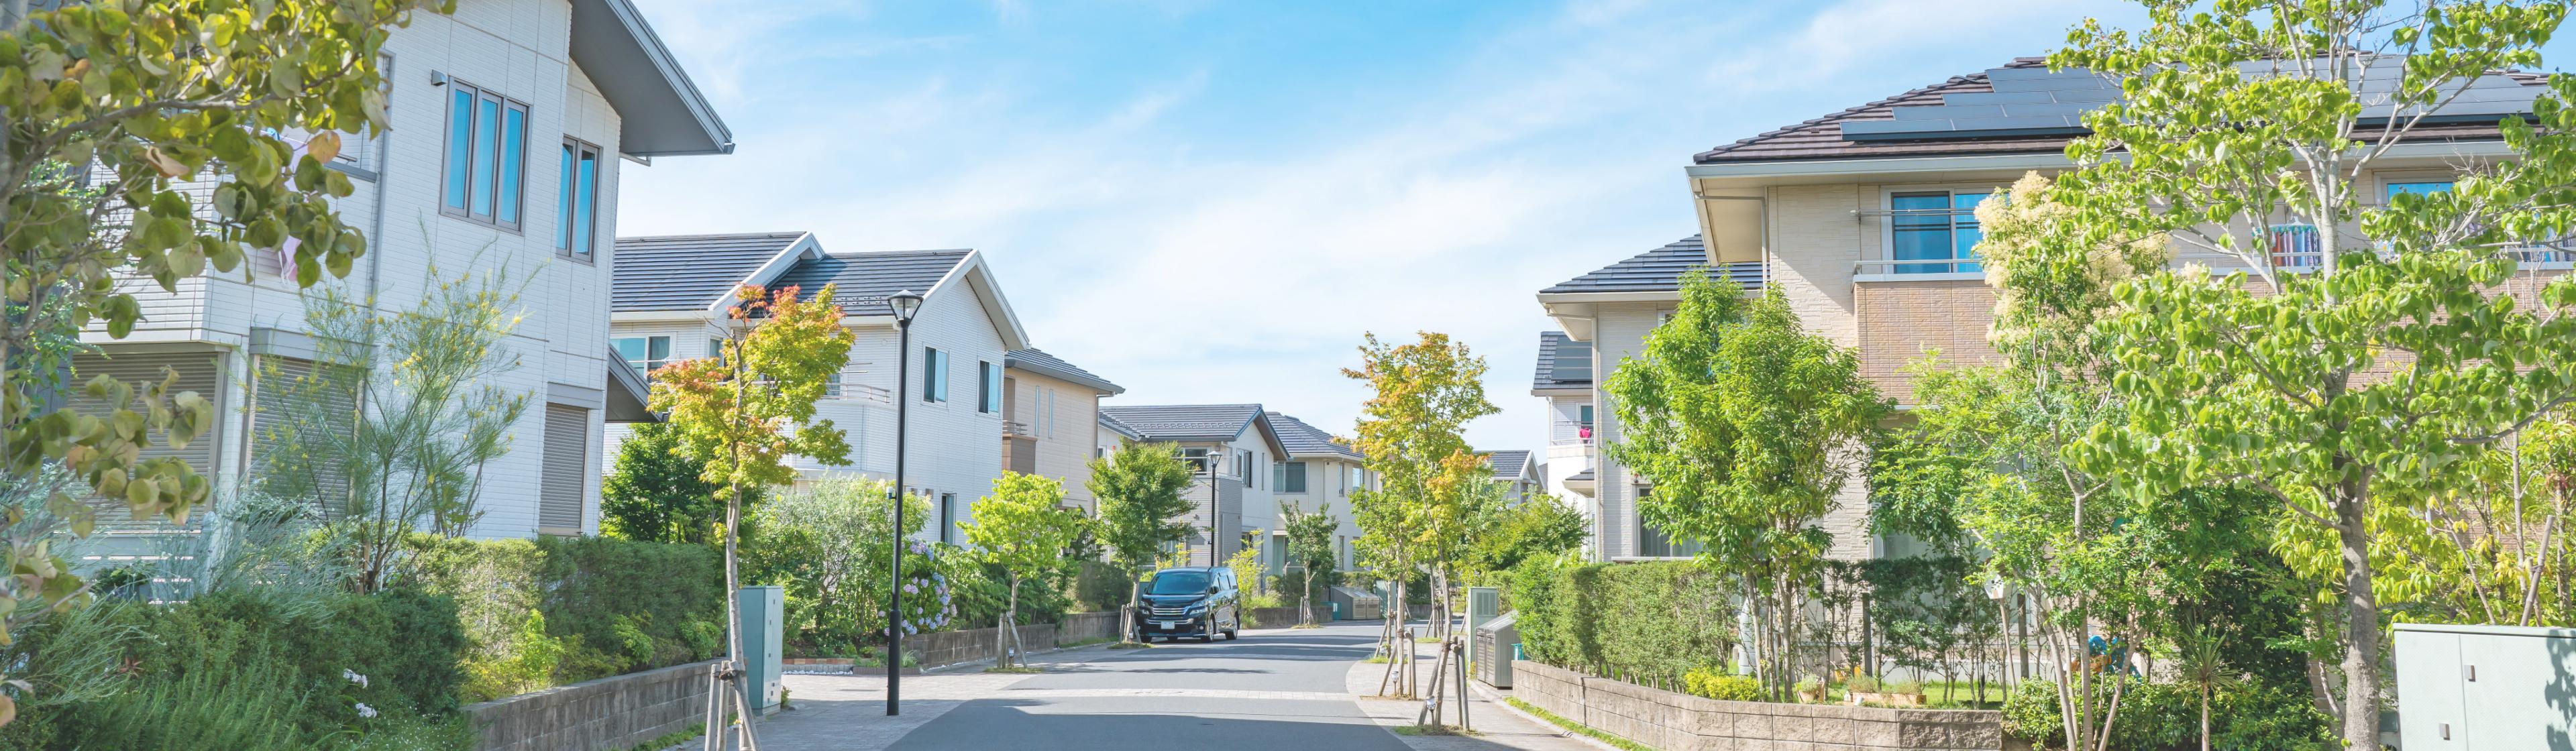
2251,715
558,610
1656,620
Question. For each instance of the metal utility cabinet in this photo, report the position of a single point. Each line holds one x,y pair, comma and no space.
2485,688
763,627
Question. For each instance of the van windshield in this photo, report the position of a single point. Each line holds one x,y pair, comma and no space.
1180,583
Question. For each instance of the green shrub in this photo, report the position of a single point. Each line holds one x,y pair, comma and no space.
1655,619
253,703
1099,586
1718,684
2030,714
525,662
606,606
2250,715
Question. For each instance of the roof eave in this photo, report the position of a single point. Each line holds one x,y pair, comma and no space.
803,248
661,113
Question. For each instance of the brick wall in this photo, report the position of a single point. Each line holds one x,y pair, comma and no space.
1681,722
617,713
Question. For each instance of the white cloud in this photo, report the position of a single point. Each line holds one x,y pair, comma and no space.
1203,266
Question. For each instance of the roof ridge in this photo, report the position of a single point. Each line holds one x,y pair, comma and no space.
709,235
922,251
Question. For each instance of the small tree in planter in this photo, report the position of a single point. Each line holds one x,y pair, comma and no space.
1022,528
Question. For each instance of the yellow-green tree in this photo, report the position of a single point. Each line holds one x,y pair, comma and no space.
1424,394
1023,528
1139,488
110,112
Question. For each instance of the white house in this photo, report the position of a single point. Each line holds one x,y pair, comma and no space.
1231,446
671,301
1317,474
511,122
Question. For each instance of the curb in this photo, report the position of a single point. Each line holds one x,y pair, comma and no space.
1496,699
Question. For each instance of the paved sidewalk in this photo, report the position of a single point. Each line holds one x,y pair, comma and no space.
1495,725
847,712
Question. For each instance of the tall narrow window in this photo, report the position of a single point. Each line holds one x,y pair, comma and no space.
989,387
486,156
947,515
934,375
1935,226
577,200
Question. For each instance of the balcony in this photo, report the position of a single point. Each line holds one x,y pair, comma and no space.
1019,454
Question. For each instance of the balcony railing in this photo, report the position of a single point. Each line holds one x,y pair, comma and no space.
1017,428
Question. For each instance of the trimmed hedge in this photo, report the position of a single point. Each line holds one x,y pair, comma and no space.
1657,619
2248,715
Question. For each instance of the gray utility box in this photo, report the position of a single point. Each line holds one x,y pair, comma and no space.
1356,604
1483,603
764,620
1497,643
2485,688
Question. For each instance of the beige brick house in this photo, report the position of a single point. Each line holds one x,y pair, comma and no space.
1864,219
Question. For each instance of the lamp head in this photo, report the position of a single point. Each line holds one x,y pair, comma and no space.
905,304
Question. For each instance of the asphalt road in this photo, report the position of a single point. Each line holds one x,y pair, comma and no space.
1272,690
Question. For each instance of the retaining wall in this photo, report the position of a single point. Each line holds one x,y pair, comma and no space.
952,647
617,712
1681,722
1082,627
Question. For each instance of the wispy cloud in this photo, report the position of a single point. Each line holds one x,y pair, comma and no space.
1199,238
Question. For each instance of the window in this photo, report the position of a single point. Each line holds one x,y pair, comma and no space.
1937,225
645,353
1243,466
487,150
1653,543
1292,477
988,387
577,201
947,515
934,375
2417,188
715,347
1197,459
832,388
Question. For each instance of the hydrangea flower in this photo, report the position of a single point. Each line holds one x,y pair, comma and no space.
366,712
352,676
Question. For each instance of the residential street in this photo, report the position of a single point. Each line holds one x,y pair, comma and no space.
1284,689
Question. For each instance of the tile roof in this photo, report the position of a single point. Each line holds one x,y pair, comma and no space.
1302,439
1111,422
1037,361
866,279
1507,462
1824,137
1545,377
687,272
1186,422
1658,270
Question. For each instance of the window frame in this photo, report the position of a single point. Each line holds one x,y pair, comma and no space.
934,375
988,387
649,362
1292,477
568,202
1883,267
475,96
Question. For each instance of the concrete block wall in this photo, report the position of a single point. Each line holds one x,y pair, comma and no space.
615,713
1682,722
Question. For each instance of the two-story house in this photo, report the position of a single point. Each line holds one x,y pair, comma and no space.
1051,420
1317,473
511,122
672,299
1864,219
1518,472
1230,448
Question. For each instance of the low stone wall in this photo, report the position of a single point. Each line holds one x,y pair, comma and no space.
618,712
952,647
1682,722
1083,627
1274,617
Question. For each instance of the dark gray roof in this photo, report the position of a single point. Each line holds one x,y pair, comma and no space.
688,272
1121,428
1187,422
1306,440
1659,270
1037,361
1546,376
1583,476
866,279
1507,463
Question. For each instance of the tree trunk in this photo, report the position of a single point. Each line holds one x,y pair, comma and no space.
2361,631
1127,617
1009,629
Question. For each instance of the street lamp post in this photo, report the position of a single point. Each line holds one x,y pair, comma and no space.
905,304
1213,548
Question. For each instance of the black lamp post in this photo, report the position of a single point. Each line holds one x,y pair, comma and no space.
905,304
1215,551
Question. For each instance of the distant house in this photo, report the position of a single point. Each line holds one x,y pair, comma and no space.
1231,447
511,124
1564,378
1317,473
671,302
1051,419
1517,471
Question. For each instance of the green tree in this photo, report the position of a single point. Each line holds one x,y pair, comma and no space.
828,544
751,409
1139,488
1310,546
1540,526
658,493
391,428
1423,395
2351,375
114,110
1746,424
1023,528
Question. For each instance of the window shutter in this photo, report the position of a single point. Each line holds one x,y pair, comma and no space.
567,461
197,372
293,409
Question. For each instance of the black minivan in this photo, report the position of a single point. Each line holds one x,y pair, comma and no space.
1195,601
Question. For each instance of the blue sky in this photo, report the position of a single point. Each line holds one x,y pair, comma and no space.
1211,202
